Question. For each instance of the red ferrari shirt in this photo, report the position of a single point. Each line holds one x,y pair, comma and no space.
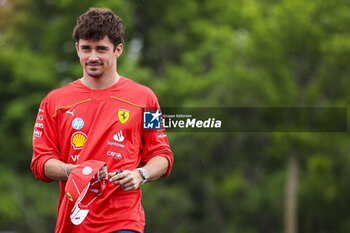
75,124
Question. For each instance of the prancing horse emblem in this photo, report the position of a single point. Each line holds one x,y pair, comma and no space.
123,115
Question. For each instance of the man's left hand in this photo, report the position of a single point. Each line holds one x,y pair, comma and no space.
128,180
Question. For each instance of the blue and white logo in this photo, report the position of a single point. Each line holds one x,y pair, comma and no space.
87,170
151,120
77,123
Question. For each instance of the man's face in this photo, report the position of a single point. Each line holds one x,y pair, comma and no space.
98,58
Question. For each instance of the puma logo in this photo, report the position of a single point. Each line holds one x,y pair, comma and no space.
70,112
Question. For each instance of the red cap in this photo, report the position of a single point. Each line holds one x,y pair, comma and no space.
83,187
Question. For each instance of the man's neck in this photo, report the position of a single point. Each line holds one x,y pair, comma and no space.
99,83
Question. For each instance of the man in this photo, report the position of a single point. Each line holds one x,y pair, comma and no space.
100,117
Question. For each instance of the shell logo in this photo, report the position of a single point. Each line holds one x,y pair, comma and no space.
78,140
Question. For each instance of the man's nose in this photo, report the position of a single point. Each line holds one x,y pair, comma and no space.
93,56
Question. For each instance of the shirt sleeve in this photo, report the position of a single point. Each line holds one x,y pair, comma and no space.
45,141
155,141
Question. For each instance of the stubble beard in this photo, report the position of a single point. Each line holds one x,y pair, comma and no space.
94,72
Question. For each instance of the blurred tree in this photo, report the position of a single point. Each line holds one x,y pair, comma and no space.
250,53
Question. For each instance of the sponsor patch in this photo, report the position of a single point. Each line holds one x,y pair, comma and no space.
70,112
78,123
69,196
119,136
40,117
123,115
75,157
114,154
78,140
86,170
115,144
37,133
39,125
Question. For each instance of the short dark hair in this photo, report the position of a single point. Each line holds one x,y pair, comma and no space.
96,23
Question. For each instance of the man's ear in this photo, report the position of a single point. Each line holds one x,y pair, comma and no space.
77,47
118,50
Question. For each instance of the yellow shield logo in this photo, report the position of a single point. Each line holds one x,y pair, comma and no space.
69,196
123,116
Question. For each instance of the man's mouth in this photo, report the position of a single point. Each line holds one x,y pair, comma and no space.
94,63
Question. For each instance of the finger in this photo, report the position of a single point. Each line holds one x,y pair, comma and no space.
116,178
101,174
125,174
123,182
124,187
129,186
111,174
102,171
129,183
